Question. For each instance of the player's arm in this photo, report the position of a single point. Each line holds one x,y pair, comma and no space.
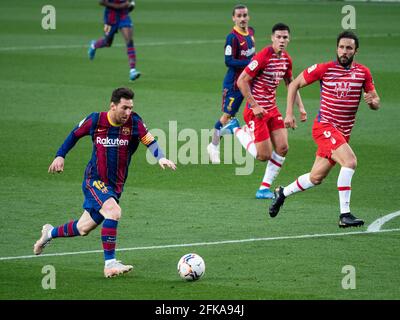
115,6
294,86
370,95
372,99
152,145
81,130
243,84
298,101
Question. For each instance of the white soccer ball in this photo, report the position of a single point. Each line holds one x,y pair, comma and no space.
191,267
132,5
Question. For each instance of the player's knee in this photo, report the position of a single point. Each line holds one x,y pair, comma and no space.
225,118
108,42
316,179
352,163
111,211
114,214
83,231
263,156
282,150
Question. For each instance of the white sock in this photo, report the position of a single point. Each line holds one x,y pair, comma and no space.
301,184
216,137
108,262
271,172
49,233
344,188
246,141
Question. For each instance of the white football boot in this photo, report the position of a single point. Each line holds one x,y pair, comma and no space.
43,240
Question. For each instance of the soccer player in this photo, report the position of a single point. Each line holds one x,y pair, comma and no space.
341,82
239,49
265,135
115,135
116,17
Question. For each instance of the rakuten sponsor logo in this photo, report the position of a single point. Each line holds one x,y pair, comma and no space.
107,142
248,52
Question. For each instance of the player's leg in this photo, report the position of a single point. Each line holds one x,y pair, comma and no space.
112,213
105,41
254,136
345,156
280,142
213,147
231,101
318,173
73,228
127,33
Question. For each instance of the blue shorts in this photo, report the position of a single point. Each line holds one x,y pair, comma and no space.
111,29
231,101
96,192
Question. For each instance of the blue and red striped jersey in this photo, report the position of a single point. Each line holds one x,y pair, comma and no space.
239,50
113,146
113,16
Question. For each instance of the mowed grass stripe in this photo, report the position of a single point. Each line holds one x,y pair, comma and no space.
173,43
197,244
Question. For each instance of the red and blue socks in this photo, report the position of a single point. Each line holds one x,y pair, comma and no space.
109,238
69,229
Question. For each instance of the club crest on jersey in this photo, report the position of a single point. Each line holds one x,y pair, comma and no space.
126,131
342,89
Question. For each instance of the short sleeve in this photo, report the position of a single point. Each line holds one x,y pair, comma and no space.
315,72
258,62
369,82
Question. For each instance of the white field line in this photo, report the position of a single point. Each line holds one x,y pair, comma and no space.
170,43
197,244
378,223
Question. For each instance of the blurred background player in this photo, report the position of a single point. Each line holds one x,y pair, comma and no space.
116,17
341,82
265,135
239,49
116,135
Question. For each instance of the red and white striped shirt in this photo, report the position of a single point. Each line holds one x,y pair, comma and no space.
341,90
267,70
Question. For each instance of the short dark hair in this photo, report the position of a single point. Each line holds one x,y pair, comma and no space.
119,93
348,35
280,26
238,6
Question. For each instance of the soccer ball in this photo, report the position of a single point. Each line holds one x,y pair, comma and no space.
191,267
132,5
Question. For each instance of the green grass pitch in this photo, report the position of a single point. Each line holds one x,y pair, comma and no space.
47,85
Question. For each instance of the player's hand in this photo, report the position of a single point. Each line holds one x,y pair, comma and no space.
369,97
303,115
125,5
290,121
57,165
165,162
258,111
